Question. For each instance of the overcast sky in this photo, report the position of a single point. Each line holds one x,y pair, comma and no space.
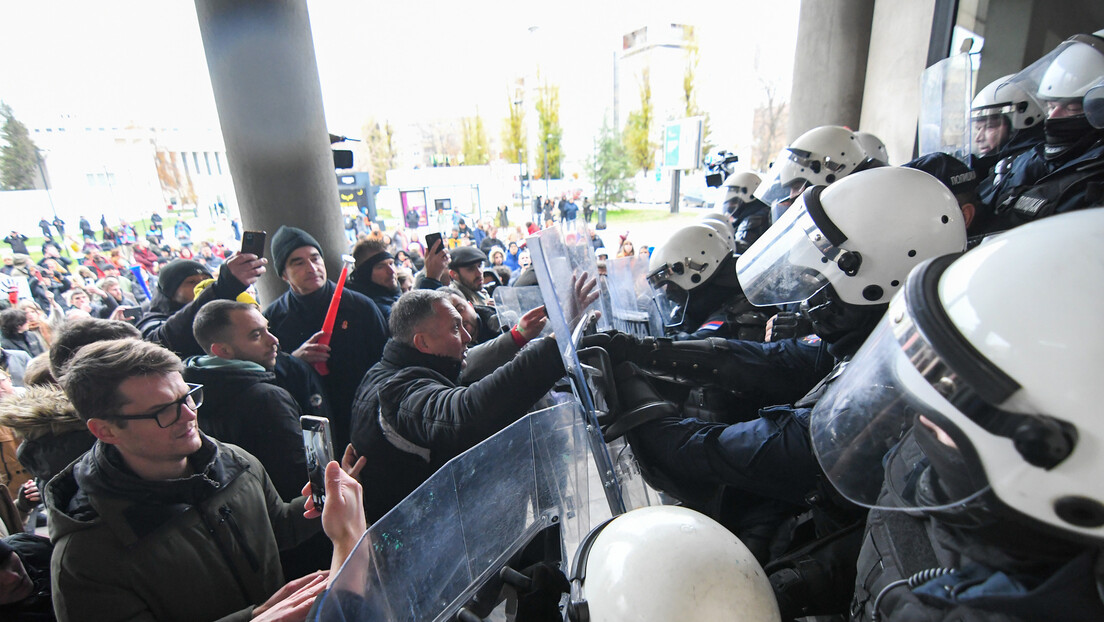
111,62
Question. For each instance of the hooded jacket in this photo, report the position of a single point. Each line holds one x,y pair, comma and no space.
415,395
53,435
243,405
203,547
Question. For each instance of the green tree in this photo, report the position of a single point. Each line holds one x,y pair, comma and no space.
513,134
18,156
551,134
476,149
610,169
689,92
637,136
380,145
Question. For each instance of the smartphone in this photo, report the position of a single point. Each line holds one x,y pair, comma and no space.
253,242
132,313
318,446
432,239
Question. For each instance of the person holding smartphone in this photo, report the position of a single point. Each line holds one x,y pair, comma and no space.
192,527
434,275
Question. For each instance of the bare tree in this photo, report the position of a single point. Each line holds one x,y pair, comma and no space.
768,128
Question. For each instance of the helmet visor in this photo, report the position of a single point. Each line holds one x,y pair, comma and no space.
783,265
1094,105
770,190
858,426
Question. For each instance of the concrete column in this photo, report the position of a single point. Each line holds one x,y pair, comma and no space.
901,35
260,54
829,64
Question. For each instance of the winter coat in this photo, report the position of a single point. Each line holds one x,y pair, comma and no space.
203,547
432,419
53,435
242,405
26,341
17,361
359,333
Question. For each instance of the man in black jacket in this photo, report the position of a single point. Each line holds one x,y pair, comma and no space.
374,275
410,414
296,319
242,403
175,304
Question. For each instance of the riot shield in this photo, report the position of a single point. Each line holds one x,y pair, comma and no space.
946,93
513,302
443,549
559,261
633,300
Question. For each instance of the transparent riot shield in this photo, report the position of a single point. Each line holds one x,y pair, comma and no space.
559,262
513,302
946,93
519,497
633,300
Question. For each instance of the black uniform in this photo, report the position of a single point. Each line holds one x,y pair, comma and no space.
975,566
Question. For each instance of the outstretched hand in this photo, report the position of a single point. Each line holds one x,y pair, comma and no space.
532,323
436,261
584,289
246,267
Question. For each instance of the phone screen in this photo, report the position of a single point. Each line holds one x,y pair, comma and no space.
431,239
319,450
253,242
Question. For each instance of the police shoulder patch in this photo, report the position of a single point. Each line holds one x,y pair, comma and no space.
712,325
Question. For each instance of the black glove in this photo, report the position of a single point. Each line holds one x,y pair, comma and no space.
620,346
539,593
787,325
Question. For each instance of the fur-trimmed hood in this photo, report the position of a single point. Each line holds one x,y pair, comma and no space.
38,412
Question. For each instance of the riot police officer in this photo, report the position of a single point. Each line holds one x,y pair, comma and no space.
1066,172
973,430
833,248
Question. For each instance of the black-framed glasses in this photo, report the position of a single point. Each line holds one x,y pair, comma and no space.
169,414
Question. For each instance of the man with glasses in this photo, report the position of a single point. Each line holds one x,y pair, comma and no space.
155,502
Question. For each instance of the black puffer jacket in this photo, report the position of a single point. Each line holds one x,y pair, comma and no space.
417,397
242,405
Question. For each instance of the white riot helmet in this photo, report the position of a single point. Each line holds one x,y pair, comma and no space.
1016,397
667,563
1010,100
740,186
1067,72
1074,70
862,235
873,146
723,226
689,258
821,156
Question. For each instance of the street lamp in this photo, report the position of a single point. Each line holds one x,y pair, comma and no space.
521,168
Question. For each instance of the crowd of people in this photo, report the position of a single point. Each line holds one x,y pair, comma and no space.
853,380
